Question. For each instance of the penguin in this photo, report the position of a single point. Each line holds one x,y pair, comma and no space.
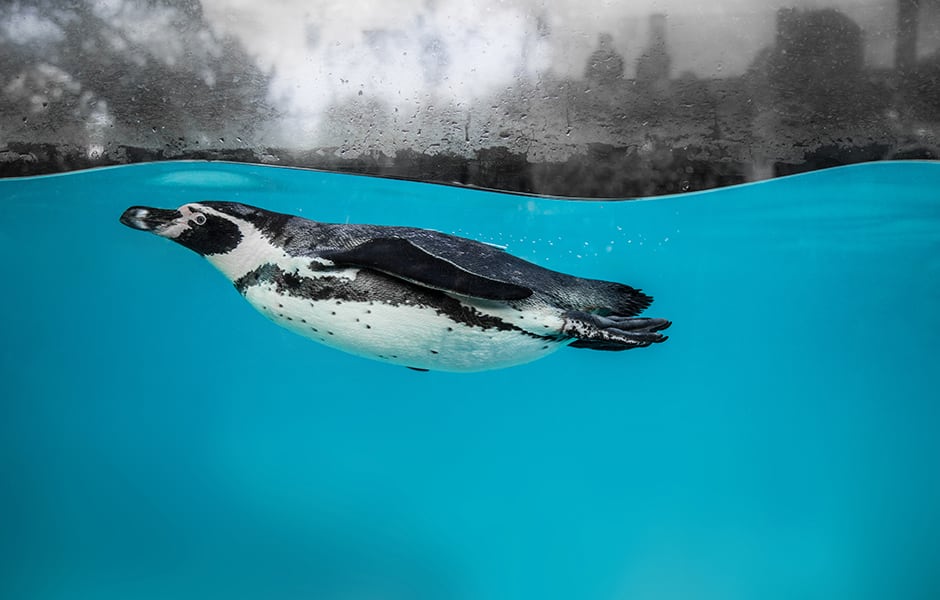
412,297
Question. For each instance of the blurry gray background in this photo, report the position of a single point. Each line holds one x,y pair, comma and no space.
573,97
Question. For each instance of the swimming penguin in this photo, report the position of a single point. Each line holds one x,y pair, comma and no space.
413,297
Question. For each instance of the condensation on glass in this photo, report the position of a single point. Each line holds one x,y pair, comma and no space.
625,99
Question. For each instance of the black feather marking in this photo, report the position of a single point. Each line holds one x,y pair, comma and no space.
372,284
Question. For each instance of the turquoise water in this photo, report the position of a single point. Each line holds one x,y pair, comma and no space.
160,439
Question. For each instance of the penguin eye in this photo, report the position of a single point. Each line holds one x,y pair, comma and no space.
199,219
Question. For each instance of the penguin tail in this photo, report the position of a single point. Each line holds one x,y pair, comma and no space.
609,298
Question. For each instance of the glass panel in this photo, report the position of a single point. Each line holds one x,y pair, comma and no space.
627,98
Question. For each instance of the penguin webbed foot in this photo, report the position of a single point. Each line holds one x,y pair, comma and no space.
614,332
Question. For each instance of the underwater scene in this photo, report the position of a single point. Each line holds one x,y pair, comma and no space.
159,438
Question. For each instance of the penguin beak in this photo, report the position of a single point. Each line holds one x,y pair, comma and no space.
149,219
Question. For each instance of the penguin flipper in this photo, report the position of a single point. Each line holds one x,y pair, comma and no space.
613,333
401,258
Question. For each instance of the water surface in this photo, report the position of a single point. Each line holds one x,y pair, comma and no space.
160,439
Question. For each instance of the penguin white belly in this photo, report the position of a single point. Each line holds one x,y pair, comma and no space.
410,335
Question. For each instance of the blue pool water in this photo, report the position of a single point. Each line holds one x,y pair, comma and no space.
160,439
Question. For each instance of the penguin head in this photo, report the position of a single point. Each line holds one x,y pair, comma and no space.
209,228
